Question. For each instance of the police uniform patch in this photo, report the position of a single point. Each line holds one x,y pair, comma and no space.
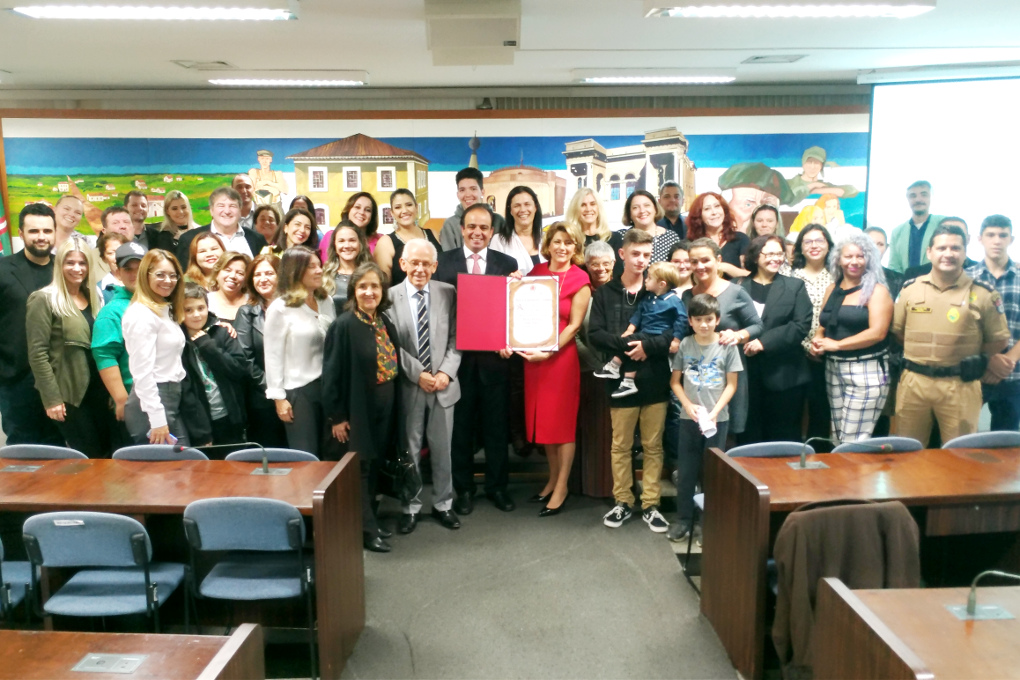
953,314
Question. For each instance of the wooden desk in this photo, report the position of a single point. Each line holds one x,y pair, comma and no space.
908,633
965,491
37,655
328,492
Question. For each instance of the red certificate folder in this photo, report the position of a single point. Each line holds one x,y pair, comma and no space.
481,312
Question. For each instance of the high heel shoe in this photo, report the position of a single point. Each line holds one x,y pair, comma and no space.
539,498
549,512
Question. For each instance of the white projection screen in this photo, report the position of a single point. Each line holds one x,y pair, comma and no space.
961,136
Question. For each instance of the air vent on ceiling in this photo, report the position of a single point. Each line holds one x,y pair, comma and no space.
473,32
205,65
774,59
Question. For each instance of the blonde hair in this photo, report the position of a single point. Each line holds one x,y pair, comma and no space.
573,215
195,272
289,286
148,297
571,230
61,299
171,196
665,271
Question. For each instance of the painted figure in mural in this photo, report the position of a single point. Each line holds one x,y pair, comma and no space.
751,185
269,183
824,211
811,180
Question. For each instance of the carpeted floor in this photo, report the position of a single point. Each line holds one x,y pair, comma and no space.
510,595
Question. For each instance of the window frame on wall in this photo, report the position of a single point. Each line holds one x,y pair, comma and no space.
379,175
325,215
351,168
312,169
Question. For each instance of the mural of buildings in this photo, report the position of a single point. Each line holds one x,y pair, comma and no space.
550,188
616,173
329,174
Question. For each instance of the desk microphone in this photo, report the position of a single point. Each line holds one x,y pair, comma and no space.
265,460
804,465
972,597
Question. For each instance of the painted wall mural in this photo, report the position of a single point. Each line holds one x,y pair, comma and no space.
810,176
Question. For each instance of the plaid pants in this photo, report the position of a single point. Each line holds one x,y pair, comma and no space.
858,388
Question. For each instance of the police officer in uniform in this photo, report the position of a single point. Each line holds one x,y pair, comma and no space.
948,324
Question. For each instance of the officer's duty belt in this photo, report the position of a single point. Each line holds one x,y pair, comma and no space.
932,371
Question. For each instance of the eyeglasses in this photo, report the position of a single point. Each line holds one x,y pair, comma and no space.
164,277
813,242
414,264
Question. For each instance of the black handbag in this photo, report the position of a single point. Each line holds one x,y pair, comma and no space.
399,477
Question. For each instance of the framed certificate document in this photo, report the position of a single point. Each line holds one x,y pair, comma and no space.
532,314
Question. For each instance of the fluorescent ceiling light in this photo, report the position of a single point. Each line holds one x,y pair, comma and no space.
284,82
137,13
788,9
654,76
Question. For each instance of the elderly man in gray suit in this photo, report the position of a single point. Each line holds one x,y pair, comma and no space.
424,313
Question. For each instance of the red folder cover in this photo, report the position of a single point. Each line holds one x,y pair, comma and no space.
481,312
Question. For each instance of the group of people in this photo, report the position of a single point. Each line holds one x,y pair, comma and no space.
689,332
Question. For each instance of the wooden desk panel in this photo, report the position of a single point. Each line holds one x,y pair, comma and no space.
136,487
914,627
36,655
965,491
329,492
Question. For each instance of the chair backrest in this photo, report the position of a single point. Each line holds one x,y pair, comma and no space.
985,440
769,450
158,452
86,539
881,445
39,452
272,455
243,524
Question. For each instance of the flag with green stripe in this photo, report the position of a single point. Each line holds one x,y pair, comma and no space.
5,233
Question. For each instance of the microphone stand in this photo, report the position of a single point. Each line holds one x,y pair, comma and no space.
263,470
971,612
804,464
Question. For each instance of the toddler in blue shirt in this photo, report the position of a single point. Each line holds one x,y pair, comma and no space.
660,311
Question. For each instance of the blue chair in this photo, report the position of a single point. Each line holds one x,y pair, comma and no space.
15,578
876,444
39,452
113,556
264,539
985,440
272,455
153,452
759,450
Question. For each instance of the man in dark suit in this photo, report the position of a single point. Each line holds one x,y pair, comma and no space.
225,208
482,411
21,274
137,207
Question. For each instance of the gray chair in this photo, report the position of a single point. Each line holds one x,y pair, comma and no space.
877,444
154,452
39,452
15,578
758,450
265,558
1001,439
272,455
113,556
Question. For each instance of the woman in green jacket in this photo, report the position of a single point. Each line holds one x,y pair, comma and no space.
59,322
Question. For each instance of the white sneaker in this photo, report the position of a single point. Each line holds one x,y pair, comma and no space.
617,516
654,519
610,370
626,388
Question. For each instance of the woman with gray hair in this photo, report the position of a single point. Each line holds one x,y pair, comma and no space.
852,330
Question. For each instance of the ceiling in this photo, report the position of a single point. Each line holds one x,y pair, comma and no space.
387,38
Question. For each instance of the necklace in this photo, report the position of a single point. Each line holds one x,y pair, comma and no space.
631,302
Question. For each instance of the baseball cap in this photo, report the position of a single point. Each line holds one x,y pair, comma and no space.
128,252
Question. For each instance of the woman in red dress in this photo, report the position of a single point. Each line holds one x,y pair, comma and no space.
552,380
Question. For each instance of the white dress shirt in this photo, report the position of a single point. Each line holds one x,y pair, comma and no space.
517,250
294,338
483,255
246,222
236,243
412,299
154,343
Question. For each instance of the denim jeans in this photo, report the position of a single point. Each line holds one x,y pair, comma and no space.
1004,404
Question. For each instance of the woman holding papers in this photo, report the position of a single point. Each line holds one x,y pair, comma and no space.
552,380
